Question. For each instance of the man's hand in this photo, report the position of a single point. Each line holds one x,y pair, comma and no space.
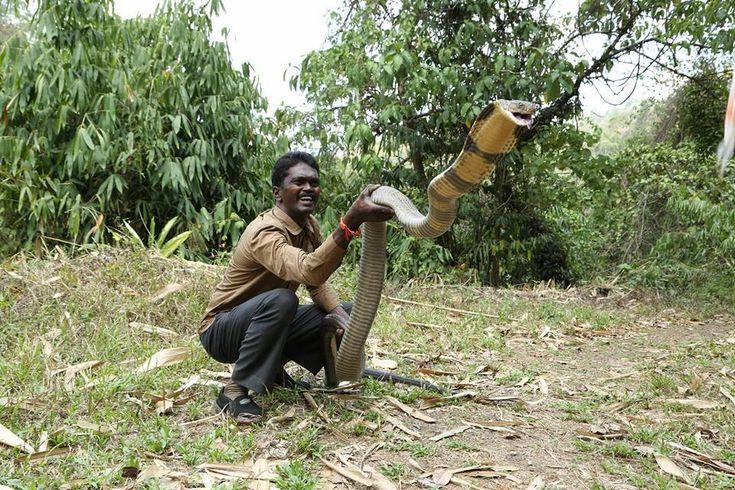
341,317
364,210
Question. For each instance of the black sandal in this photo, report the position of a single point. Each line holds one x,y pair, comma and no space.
243,408
284,380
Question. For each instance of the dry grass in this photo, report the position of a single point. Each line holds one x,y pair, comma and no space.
565,386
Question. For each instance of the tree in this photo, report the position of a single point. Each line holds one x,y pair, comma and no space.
396,89
108,120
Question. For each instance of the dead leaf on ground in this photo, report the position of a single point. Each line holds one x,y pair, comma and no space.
165,407
51,453
286,417
164,357
434,401
398,425
543,386
727,395
9,438
417,414
348,473
152,329
694,403
443,476
386,364
450,433
494,426
380,481
227,471
165,291
668,466
537,483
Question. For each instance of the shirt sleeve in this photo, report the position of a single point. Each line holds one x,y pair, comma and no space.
269,247
324,297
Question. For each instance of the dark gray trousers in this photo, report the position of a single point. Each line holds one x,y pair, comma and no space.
262,334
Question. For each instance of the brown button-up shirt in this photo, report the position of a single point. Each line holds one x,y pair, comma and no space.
275,252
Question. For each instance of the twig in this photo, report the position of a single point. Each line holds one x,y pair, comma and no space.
312,403
445,308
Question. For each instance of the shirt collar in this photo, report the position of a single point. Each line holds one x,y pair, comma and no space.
292,227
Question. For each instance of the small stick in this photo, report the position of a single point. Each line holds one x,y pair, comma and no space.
446,308
312,403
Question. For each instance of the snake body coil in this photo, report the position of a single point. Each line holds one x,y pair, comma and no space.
492,136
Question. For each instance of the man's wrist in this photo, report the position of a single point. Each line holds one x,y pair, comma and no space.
352,222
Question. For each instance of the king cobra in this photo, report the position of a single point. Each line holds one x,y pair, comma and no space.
492,136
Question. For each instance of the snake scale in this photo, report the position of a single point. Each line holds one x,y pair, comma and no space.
492,136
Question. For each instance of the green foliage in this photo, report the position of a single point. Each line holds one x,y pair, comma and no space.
109,121
294,475
401,81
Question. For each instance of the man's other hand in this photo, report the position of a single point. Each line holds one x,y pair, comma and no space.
365,210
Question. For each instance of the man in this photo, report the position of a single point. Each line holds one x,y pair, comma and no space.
253,318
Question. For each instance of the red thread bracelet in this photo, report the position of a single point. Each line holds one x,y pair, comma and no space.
349,234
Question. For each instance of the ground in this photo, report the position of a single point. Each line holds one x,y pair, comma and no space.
545,388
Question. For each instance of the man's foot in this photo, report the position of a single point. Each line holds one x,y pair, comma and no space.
242,408
284,380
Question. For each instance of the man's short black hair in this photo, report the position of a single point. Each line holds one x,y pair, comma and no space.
288,160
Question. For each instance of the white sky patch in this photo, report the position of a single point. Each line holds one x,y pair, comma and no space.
274,36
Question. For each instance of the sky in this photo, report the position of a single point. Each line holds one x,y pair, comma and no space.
274,35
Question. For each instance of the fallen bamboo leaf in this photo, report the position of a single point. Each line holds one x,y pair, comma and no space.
497,427
43,442
543,386
286,417
703,458
398,425
450,433
105,429
414,464
14,275
668,466
727,395
417,414
165,407
9,438
75,368
72,371
228,470
694,403
464,483
537,483
156,470
443,476
165,291
164,357
380,481
147,328
51,453
434,401
317,409
352,475
387,364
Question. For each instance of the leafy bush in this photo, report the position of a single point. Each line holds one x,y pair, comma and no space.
141,120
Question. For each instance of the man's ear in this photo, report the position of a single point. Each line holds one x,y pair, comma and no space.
277,194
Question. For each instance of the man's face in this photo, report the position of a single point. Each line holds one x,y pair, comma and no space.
299,192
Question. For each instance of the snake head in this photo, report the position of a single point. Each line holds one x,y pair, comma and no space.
521,110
